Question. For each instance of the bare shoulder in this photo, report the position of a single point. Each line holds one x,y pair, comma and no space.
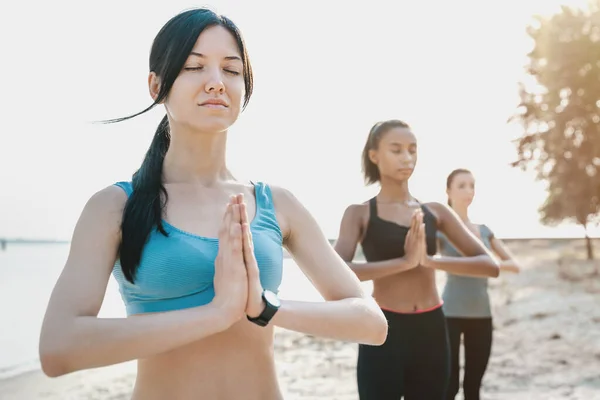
102,214
357,214
110,196
109,201
284,203
358,209
352,229
283,198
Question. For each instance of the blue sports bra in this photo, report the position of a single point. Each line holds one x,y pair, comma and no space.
177,271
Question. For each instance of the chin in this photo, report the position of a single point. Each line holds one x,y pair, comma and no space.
213,126
403,176
466,203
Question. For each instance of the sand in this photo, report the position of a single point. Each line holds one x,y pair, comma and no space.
546,343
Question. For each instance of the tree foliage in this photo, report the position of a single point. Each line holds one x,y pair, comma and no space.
560,114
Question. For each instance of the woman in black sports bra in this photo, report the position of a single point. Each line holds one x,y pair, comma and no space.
398,238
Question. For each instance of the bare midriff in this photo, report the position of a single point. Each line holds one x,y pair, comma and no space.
235,364
407,292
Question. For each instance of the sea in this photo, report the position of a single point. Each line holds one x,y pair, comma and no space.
28,273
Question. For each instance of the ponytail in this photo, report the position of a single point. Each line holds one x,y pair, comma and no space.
144,208
170,49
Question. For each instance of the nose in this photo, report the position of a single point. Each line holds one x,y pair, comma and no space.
406,157
215,84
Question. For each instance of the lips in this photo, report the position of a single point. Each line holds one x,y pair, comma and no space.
214,103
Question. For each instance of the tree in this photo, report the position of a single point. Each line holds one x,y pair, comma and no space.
560,114
570,189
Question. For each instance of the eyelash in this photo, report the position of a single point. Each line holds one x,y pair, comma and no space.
199,68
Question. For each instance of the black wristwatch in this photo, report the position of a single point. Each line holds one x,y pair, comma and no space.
272,304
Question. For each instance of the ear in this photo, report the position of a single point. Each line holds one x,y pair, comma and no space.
373,156
153,85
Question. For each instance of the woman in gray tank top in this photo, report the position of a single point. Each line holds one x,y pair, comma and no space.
466,301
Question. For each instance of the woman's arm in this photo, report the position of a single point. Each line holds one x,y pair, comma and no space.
350,234
508,262
73,338
477,260
348,313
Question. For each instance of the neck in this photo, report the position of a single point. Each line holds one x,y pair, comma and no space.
394,191
196,157
462,212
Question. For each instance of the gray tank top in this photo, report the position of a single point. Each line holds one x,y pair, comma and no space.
465,296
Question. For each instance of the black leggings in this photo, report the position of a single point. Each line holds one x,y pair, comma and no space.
477,336
414,361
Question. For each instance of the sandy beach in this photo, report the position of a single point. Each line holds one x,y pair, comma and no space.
546,343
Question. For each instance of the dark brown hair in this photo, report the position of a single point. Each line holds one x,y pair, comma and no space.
369,169
171,47
451,177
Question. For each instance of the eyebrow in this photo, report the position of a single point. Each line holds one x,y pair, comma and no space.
402,144
193,53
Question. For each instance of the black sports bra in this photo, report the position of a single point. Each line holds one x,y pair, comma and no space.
384,240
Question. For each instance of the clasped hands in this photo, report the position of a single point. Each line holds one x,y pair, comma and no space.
238,290
415,245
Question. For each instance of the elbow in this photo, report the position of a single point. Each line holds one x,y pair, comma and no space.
53,363
53,357
376,324
52,368
495,268
496,272
380,332
484,266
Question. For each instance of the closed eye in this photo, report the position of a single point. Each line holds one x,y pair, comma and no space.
229,71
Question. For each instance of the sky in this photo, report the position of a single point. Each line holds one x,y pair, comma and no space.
324,74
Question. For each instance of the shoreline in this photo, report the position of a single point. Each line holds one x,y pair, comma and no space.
15,372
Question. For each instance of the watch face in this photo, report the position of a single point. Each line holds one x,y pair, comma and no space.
271,298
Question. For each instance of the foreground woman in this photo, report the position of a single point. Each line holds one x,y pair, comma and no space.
197,254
